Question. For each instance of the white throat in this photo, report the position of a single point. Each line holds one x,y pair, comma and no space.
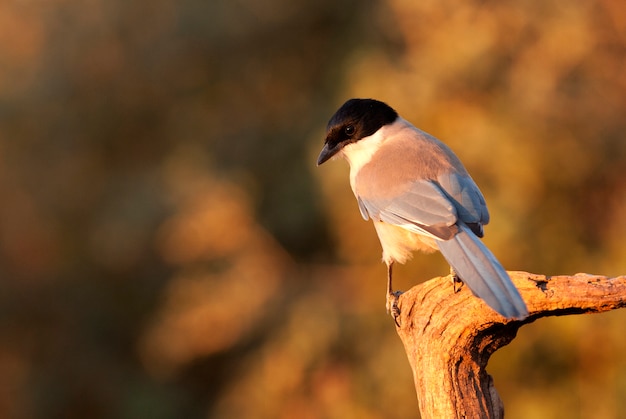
360,153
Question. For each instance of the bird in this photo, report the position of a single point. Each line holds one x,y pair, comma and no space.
420,197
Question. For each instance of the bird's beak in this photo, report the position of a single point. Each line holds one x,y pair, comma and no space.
326,153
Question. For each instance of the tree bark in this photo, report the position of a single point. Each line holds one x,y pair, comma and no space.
449,337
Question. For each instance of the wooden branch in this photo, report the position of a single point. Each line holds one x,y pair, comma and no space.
449,336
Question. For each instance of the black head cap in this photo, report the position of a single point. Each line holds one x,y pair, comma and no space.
355,119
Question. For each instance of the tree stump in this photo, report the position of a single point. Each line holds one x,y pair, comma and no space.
449,337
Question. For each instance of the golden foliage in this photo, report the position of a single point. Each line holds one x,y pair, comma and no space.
168,249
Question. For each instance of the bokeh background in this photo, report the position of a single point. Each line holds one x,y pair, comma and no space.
168,248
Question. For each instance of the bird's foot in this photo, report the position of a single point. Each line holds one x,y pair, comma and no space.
392,306
457,283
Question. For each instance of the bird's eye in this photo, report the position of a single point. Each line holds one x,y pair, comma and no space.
349,130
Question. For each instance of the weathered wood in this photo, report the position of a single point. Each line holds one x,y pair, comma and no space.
449,337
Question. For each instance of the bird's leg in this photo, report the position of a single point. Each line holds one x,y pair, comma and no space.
457,283
392,297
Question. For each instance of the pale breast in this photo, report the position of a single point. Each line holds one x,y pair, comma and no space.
398,243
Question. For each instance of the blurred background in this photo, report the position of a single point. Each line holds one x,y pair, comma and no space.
168,248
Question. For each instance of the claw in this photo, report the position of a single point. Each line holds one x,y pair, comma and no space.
392,306
392,297
457,283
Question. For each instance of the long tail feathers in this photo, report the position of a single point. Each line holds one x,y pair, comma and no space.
482,273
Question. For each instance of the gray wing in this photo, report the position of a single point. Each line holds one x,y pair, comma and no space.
431,207
467,199
424,209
